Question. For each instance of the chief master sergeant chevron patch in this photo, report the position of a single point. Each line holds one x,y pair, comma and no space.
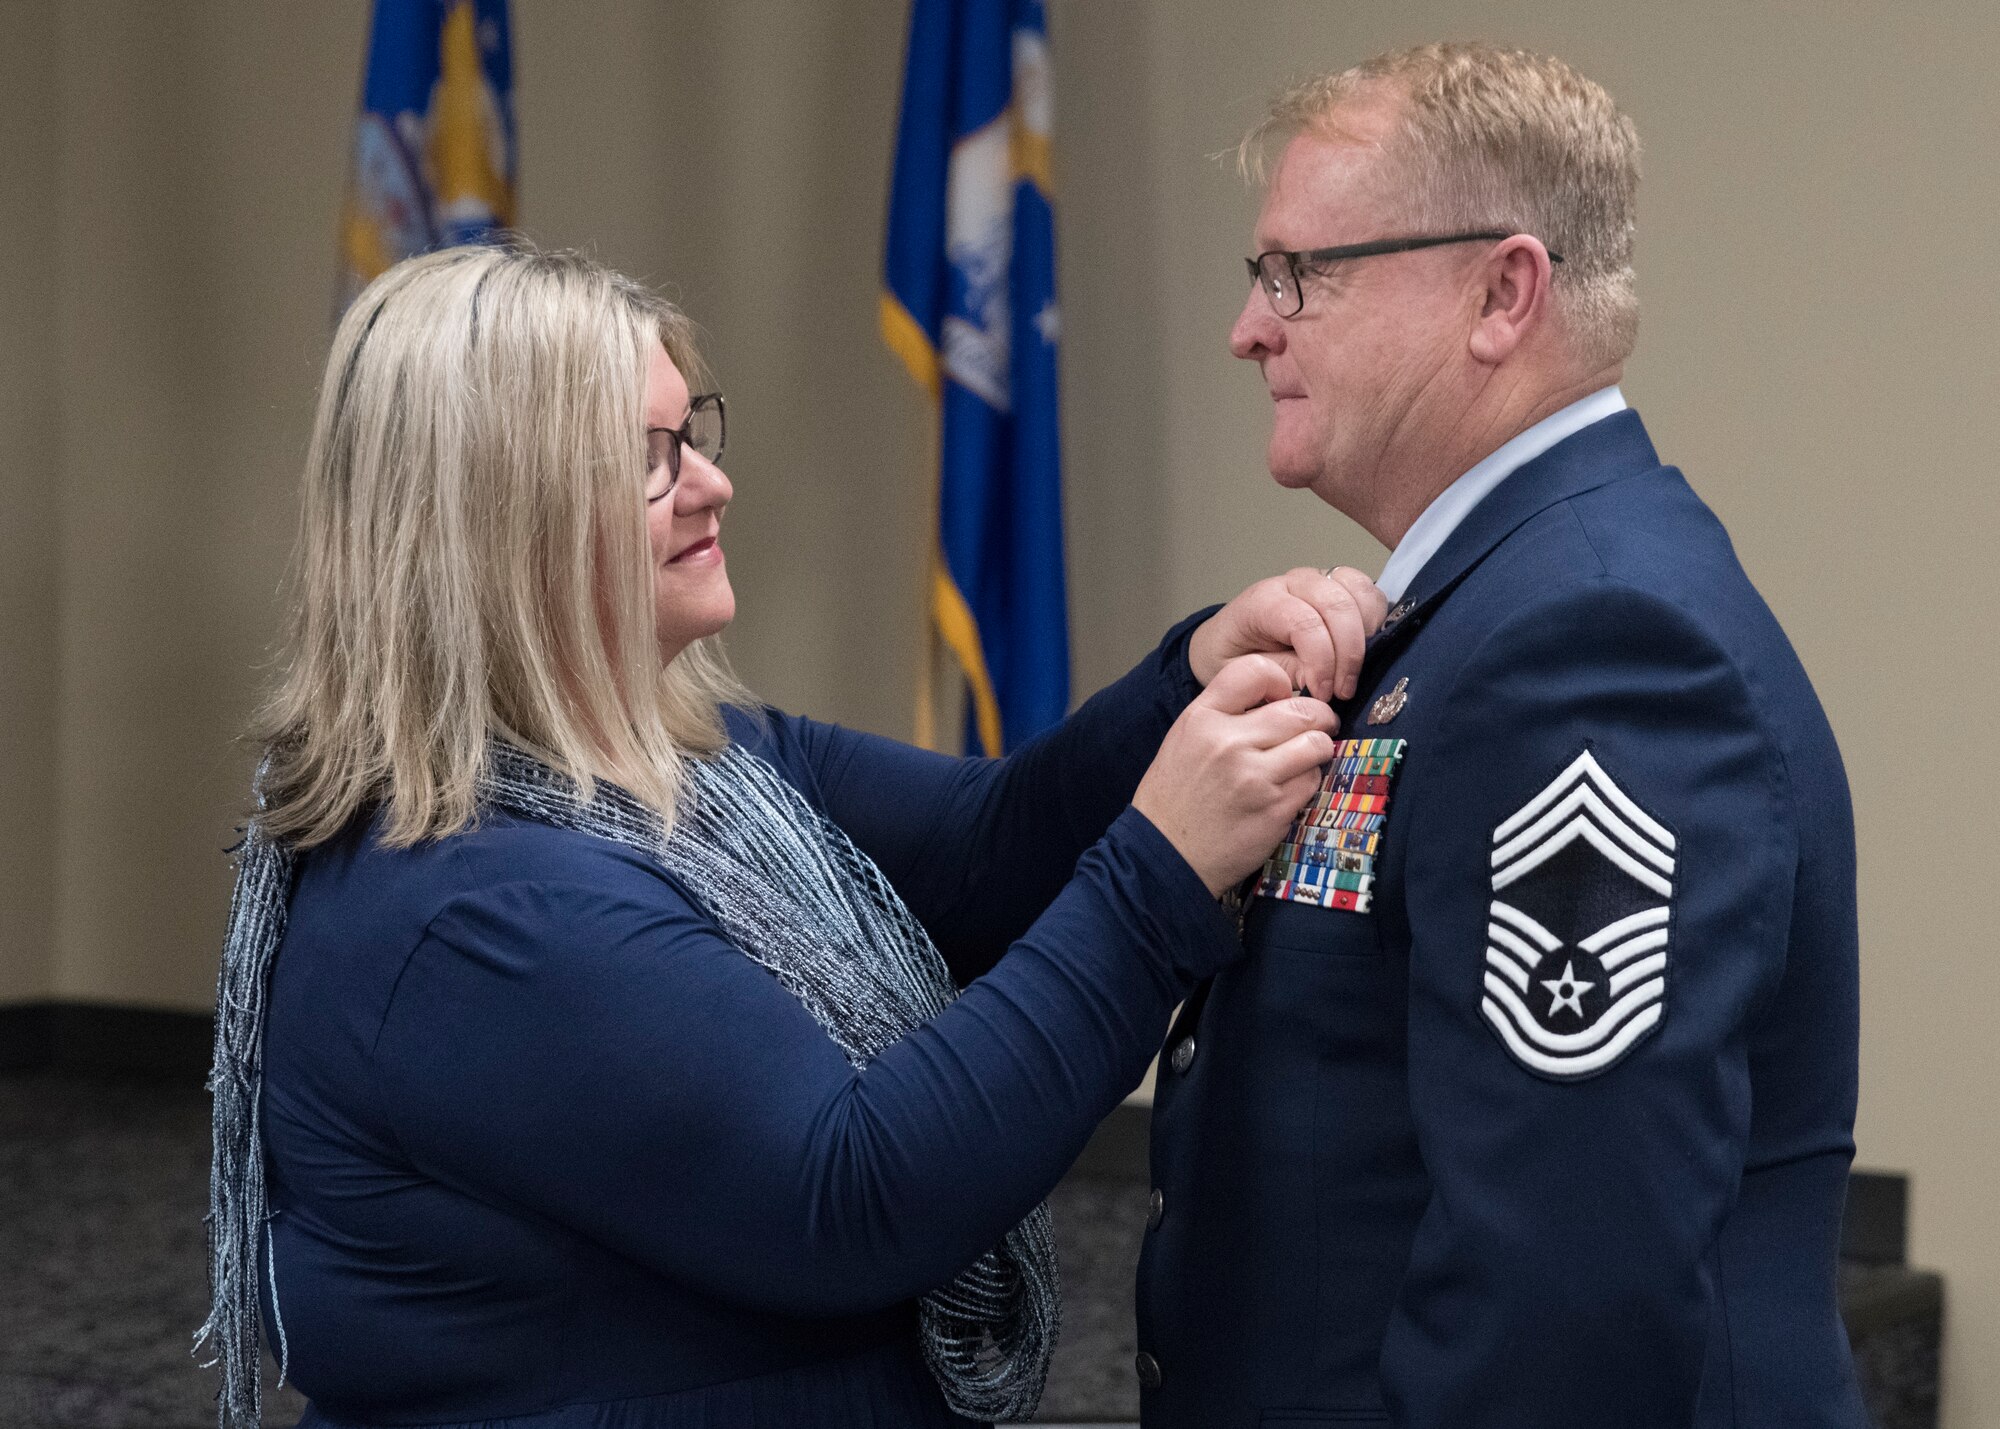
1577,933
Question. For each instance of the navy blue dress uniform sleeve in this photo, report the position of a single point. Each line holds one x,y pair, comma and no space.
978,847
599,1056
1600,861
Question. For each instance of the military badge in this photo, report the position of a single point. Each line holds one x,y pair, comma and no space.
1328,858
1390,705
1577,933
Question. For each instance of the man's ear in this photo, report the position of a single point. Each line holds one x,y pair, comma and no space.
1515,278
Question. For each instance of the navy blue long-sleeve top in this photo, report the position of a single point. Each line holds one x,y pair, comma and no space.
544,1147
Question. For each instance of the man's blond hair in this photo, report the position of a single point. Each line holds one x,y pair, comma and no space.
473,559
1486,136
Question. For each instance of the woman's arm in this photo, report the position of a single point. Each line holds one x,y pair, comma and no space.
600,1055
978,847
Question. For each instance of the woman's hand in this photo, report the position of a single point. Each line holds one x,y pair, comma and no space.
1236,768
1314,623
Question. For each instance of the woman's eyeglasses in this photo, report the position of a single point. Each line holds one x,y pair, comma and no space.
704,430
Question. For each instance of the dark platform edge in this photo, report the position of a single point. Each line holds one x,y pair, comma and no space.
99,1038
103,1038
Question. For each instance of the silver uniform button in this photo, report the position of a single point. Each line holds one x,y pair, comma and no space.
1148,1369
1183,1055
1156,1209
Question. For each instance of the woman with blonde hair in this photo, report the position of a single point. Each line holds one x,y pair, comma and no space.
595,1047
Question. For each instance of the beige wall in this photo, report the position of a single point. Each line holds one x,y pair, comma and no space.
28,507
201,156
1818,354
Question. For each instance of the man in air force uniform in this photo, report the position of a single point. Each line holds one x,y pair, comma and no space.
1532,1105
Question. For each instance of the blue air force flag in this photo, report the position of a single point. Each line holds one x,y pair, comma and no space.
434,156
970,308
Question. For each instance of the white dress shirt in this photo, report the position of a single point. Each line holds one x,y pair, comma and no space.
1456,501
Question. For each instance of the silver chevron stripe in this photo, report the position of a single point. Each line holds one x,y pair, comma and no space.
1583,803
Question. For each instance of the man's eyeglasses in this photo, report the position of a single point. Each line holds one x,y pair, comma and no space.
704,430
1281,274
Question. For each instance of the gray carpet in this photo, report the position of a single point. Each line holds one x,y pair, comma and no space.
103,1182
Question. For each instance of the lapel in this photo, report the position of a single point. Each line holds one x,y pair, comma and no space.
1600,454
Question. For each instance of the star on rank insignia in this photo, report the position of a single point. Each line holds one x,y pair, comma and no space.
1577,932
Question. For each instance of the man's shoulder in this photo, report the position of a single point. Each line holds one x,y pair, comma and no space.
1634,568
1655,533
1644,549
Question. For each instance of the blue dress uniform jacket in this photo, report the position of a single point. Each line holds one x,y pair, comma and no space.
546,1150
1541,1118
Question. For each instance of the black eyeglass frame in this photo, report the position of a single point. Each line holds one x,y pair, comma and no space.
1297,260
683,436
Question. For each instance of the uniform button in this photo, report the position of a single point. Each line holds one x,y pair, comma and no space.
1156,1209
1184,1055
1149,1370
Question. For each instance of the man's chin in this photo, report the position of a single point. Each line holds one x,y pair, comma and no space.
1290,472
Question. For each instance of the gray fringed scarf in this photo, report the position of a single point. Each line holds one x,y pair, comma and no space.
792,891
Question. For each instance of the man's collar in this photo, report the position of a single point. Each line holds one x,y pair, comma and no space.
1603,452
1433,528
